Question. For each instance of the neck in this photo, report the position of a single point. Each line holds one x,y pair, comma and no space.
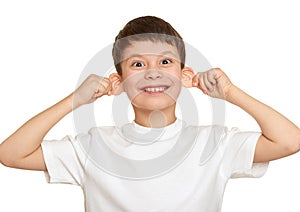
155,118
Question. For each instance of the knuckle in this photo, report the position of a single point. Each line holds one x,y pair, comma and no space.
200,75
217,69
92,76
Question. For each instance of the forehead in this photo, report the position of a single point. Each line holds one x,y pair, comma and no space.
149,47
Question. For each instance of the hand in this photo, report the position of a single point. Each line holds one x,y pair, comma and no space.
91,89
213,82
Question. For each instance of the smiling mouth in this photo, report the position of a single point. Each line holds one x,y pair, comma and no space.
155,90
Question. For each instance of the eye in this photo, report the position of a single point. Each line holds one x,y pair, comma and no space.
165,61
138,64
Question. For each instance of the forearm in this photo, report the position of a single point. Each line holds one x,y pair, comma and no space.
274,126
29,136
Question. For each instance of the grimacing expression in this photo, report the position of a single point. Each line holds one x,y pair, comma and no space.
151,74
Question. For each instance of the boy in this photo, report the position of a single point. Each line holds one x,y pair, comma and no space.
156,163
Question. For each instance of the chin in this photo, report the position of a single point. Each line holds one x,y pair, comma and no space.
153,105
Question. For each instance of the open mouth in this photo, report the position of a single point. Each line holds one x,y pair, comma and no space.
155,89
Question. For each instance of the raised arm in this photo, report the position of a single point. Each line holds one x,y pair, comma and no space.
280,137
23,148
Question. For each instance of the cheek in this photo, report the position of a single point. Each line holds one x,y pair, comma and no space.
130,89
175,90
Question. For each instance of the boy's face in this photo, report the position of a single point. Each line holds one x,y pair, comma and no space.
151,75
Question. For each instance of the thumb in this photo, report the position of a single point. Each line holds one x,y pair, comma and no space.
195,80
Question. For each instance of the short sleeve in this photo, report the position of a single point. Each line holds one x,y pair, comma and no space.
64,161
239,150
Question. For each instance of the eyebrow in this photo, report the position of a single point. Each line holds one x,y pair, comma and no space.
170,53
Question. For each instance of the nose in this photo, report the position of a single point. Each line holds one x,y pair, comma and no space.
152,74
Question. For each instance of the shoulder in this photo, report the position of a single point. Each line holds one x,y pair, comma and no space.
96,133
108,130
217,138
210,132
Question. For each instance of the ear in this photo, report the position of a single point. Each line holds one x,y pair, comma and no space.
187,74
116,85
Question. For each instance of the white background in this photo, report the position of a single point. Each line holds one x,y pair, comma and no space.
44,47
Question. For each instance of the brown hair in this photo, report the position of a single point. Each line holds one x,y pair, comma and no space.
146,28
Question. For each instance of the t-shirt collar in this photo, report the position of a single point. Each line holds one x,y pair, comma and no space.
141,134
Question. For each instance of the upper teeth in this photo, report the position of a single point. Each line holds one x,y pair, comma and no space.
157,89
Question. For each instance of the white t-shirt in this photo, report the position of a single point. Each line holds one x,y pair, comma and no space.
138,169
